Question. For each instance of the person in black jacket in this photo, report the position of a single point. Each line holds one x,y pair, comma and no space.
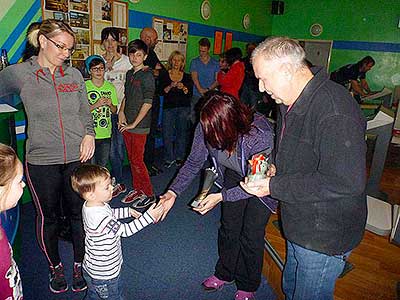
354,74
177,88
319,173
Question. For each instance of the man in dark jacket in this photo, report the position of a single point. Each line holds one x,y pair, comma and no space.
149,36
319,172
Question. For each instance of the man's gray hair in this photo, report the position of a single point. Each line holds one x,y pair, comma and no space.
283,49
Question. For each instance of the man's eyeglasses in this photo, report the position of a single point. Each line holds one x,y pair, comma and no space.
61,47
97,69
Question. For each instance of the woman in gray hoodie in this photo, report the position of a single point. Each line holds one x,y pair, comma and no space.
60,138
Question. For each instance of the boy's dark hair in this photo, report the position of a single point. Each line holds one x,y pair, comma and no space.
113,31
94,60
367,60
205,42
137,45
233,55
85,178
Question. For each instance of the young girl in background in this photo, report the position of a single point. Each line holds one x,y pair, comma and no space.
11,188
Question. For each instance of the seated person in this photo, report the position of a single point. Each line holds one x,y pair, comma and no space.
355,75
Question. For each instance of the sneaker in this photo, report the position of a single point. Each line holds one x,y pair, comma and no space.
142,202
156,169
132,195
168,163
57,284
118,189
213,284
242,295
78,282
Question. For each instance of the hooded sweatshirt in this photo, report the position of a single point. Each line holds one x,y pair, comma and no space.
56,107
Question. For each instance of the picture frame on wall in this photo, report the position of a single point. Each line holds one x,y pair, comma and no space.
79,5
218,42
56,5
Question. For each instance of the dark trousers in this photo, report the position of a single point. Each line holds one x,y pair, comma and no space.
49,184
150,149
102,152
241,239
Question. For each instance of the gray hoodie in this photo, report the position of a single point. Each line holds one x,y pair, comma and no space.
56,107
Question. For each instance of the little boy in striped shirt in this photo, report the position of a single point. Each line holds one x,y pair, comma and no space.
103,253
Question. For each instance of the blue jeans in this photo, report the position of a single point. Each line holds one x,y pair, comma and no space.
117,151
310,275
103,289
101,152
175,132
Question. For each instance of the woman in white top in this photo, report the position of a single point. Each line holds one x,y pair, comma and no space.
117,65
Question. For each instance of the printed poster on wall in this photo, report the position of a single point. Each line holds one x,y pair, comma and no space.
57,5
172,36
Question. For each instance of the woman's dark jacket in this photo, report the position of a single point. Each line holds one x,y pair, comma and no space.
259,139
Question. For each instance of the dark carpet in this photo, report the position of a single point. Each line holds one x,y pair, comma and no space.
165,261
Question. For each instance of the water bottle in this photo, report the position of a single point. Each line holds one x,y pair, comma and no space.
4,58
1,61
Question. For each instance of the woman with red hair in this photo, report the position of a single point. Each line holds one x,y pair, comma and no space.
230,134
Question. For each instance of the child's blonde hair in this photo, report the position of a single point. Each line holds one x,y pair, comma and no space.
85,178
8,170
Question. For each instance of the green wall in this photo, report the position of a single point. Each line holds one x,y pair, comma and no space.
224,15
345,20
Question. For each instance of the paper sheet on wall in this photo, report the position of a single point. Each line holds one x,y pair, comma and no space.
98,26
119,15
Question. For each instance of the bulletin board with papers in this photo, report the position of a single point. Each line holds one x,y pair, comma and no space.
172,35
87,18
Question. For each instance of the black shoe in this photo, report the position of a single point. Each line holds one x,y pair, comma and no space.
78,282
152,172
156,169
179,162
168,164
57,284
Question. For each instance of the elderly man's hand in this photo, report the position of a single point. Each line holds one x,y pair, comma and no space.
259,188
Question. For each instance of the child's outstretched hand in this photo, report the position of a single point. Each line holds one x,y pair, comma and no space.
155,211
134,213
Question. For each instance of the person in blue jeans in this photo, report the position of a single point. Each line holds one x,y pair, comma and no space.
177,87
203,69
319,172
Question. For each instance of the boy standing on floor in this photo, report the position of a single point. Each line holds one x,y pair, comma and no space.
103,102
134,120
103,253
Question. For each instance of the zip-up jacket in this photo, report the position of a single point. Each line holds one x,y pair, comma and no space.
321,173
260,138
56,107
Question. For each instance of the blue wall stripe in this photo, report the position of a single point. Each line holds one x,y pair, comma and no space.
368,46
21,137
140,20
20,123
23,23
18,53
